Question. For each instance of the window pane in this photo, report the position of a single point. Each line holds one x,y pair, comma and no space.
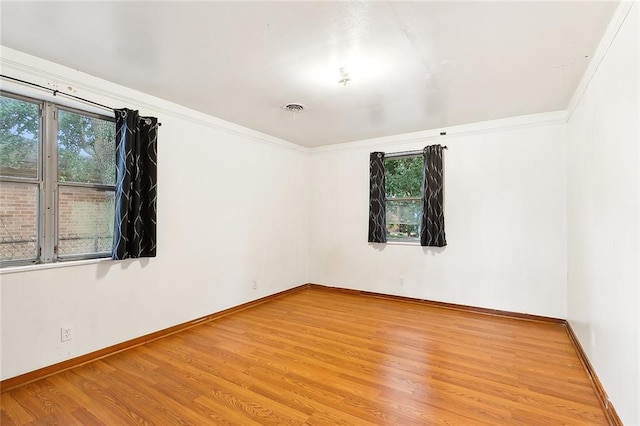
403,177
19,122
18,217
403,219
86,149
85,220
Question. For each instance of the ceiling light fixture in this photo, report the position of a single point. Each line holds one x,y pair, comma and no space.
344,77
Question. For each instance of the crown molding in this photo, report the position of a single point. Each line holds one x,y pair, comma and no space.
503,124
617,20
67,80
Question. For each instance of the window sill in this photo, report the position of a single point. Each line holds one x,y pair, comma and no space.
42,266
403,243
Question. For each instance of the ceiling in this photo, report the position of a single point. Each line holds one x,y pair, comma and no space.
412,65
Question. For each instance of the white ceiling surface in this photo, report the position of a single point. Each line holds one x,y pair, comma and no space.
413,65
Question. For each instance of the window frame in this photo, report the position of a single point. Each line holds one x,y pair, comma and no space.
47,200
401,156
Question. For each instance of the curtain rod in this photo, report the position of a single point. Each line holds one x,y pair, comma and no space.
407,153
56,92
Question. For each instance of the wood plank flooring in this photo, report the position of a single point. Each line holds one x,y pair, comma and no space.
319,357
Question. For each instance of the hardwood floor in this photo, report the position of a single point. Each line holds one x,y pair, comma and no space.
327,358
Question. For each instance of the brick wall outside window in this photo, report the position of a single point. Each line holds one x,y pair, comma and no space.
18,204
85,222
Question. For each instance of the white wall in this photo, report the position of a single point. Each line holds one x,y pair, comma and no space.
604,221
504,220
232,207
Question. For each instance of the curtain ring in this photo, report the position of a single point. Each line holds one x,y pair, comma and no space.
379,155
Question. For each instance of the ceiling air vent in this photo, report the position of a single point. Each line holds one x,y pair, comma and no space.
293,107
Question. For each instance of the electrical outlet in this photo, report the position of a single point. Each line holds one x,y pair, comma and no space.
66,334
255,284
592,337
401,281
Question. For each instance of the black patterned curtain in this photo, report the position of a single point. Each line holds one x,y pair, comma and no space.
377,199
432,224
136,185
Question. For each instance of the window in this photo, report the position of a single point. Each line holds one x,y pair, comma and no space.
403,189
57,182
406,197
